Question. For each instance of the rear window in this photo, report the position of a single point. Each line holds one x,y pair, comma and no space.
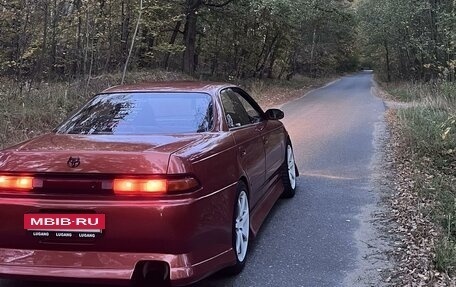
142,113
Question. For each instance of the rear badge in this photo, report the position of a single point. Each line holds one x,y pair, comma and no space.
74,162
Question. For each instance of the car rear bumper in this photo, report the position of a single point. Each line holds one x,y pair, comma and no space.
192,236
102,267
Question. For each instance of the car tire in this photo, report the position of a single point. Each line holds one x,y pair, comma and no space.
241,229
289,173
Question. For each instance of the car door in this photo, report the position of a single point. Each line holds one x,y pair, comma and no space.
246,130
273,137
274,145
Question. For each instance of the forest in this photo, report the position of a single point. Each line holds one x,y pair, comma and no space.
227,39
70,39
415,40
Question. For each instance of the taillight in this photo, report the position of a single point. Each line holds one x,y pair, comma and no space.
182,185
142,186
23,183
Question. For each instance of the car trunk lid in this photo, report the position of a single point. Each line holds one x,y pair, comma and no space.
100,154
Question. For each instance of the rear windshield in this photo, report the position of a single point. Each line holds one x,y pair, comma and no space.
142,113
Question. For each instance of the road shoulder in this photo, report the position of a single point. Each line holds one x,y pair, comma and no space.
374,242
413,229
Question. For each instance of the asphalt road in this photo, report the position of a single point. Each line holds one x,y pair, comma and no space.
313,239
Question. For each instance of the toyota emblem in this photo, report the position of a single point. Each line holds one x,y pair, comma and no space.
74,162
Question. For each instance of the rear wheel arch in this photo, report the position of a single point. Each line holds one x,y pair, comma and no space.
245,181
242,187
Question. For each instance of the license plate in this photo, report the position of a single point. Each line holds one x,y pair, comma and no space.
65,225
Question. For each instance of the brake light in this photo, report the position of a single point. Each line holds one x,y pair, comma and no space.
16,182
154,186
140,185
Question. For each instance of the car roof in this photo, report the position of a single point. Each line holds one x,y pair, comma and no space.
173,86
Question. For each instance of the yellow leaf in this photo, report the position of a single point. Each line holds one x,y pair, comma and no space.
445,133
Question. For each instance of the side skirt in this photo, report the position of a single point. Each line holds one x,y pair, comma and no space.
262,209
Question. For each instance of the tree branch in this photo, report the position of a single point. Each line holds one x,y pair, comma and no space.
209,4
132,41
331,11
171,30
10,6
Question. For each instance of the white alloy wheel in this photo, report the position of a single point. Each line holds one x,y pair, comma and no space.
242,227
291,167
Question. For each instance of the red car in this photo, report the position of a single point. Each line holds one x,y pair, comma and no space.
164,181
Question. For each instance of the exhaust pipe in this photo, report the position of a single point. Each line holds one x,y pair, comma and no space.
151,274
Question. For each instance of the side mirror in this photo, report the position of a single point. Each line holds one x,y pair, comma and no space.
274,114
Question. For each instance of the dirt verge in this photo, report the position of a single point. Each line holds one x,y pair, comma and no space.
413,229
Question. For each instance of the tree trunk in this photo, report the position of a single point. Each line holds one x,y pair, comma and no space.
107,65
125,30
132,41
172,41
87,41
272,60
312,52
388,64
79,53
190,32
260,57
54,36
45,30
267,55
292,64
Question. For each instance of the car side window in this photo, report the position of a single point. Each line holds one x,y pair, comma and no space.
254,115
238,111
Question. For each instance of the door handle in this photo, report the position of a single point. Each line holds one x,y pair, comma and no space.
260,127
265,140
242,152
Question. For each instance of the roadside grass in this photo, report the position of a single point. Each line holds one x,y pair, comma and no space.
437,94
271,92
30,109
429,130
408,91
